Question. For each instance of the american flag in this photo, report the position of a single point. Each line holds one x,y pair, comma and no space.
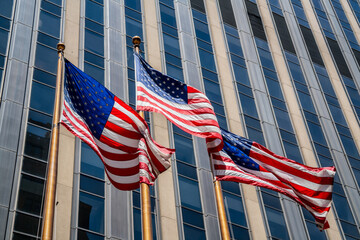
183,105
248,162
118,135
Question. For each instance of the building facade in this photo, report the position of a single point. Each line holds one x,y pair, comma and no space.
284,73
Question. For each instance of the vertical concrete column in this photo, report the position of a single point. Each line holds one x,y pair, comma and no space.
64,185
249,194
351,18
332,72
160,130
192,73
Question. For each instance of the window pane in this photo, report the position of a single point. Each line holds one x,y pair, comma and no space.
171,45
94,26
90,162
202,31
94,59
40,119
184,149
240,233
88,236
46,58
186,170
235,209
167,15
51,8
134,4
212,91
42,97
283,120
44,77
241,75
134,14
193,218
34,167
94,11
17,236
26,224
194,233
47,40
91,185
95,72
37,142
6,8
94,42
277,223
271,200
49,23
234,45
30,194
137,224
207,60
133,27
248,105
189,193
91,212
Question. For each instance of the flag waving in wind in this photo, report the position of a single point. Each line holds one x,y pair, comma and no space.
245,161
183,105
118,135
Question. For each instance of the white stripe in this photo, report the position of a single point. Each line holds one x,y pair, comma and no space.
121,123
122,164
136,120
107,148
120,138
123,179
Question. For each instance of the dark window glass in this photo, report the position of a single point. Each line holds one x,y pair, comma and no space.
207,60
137,224
133,14
167,15
337,115
202,31
241,75
312,48
49,23
283,119
266,59
240,233
198,5
91,185
278,103
232,187
314,231
209,75
274,88
192,217
34,167
339,58
133,27
40,119
349,146
204,45
193,233
350,230
58,2
132,93
17,236
42,97
94,11
252,122
248,105
238,60
169,30
276,223
91,212
94,42
46,58
256,135
171,45
283,33
6,8
30,194
218,108
292,151
174,72
47,40
134,4
173,60
322,150
342,208
90,162
136,199
186,170
316,133
37,142
271,200
290,137
235,209
51,8
44,77
244,89
212,91
95,72
306,101
94,26
26,224
92,58
189,193
227,12
88,236
234,45
182,147
168,2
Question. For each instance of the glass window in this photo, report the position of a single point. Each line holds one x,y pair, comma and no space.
47,40
91,212
133,14
248,105
232,187
95,72
92,58
292,152
37,142
171,45
174,72
17,236
88,236
207,60
212,91
209,75
46,58
58,2
6,8
182,149
186,170
192,217
94,11
34,167
94,26
240,233
137,224
168,15
235,209
30,194
349,146
26,224
256,135
51,8
271,200
266,59
288,136
42,97
44,77
204,45
90,162
314,231
194,233
134,4
91,185
283,119
274,88
238,60
337,115
316,133
252,122
234,45
306,101
133,27
169,30
189,193
94,42
244,89
173,60
277,223
40,119
132,94
202,31
241,75
49,23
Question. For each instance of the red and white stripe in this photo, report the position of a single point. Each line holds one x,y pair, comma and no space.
129,153
196,118
310,187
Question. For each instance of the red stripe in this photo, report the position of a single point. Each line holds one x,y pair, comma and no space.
124,186
159,166
122,131
127,107
117,145
116,112
115,156
122,171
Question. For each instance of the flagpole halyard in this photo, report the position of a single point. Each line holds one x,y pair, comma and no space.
49,204
144,188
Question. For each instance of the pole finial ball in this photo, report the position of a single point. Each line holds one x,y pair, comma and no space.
136,40
60,46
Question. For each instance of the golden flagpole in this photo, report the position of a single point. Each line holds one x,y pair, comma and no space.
224,228
49,204
144,188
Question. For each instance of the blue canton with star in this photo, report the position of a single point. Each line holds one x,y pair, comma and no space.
88,98
238,148
163,85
